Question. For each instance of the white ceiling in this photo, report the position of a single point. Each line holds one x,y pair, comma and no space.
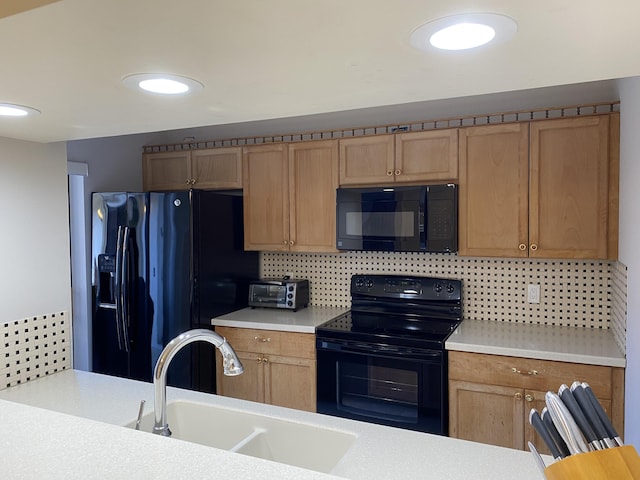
273,59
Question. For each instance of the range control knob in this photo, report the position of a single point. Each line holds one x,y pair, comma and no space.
291,288
290,303
369,283
290,295
437,288
451,288
359,283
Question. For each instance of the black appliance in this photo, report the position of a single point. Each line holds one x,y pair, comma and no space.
286,293
164,263
398,219
384,361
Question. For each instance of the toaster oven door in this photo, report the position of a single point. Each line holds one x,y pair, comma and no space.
267,295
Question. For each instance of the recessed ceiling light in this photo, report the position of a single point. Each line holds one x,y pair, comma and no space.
161,83
12,110
462,32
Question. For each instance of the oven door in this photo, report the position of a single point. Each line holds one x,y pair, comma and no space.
396,386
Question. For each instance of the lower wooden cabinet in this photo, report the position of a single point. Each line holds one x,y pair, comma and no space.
490,396
279,367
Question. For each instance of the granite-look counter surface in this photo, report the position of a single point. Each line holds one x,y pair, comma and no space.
304,320
545,342
39,443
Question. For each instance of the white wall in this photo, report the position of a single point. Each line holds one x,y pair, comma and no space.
113,164
34,223
630,245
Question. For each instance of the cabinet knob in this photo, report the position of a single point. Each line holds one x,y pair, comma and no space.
188,182
259,360
533,247
286,242
291,243
397,172
193,181
528,397
522,247
389,173
518,396
265,360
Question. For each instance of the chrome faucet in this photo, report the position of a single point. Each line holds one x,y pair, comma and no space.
230,363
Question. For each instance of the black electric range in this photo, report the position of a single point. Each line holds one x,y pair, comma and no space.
385,361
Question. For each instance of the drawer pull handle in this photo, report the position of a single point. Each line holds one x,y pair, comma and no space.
528,372
262,339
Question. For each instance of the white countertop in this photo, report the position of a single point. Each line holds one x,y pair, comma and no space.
304,320
38,443
546,342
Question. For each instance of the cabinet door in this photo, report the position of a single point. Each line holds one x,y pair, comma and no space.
569,188
367,160
218,168
493,192
166,171
266,197
290,382
313,179
247,386
486,413
427,156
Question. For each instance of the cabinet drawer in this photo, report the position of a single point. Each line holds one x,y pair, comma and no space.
291,344
528,373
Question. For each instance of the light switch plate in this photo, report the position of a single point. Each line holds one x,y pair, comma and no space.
533,293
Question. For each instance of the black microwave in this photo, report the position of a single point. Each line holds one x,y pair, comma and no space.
398,219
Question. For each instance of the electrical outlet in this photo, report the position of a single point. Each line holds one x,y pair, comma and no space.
533,293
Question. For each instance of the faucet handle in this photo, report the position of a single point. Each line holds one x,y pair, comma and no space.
140,412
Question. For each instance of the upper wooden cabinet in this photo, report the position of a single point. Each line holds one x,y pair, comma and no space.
416,157
569,188
166,171
493,198
313,180
266,197
545,189
289,196
208,169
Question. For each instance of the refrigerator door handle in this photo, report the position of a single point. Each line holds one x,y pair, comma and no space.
126,288
118,285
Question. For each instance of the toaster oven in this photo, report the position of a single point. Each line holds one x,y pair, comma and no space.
285,293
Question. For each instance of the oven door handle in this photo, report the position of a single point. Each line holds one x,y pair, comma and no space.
365,348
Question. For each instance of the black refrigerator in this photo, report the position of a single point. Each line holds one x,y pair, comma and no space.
164,263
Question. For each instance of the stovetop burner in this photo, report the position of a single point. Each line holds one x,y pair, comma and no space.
399,310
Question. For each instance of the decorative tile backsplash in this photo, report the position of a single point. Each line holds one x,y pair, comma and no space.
580,293
619,303
572,292
34,347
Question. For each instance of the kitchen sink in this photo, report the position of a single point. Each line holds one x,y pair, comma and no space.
301,445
